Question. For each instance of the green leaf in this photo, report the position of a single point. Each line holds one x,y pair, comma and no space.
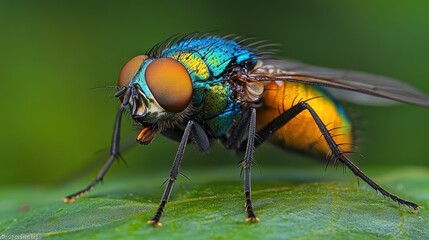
292,204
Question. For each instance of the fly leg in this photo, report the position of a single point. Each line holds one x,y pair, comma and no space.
155,221
336,152
114,149
247,164
200,138
237,134
234,142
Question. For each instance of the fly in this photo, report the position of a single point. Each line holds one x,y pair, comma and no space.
208,88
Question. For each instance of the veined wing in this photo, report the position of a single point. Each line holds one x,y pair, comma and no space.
336,81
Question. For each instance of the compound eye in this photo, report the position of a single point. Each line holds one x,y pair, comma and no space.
170,84
130,69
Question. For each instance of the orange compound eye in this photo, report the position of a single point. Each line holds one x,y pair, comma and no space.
170,84
130,69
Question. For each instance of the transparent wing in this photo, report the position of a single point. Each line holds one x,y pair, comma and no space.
336,81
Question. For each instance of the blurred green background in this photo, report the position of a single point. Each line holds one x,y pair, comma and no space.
53,52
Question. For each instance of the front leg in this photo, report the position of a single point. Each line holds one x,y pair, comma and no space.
155,221
114,149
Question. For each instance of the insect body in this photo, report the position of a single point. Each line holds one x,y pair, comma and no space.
212,88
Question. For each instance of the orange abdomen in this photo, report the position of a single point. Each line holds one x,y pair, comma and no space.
301,133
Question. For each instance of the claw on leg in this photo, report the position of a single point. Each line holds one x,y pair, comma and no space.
154,223
252,219
69,200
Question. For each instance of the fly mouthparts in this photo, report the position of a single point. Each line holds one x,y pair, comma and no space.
147,134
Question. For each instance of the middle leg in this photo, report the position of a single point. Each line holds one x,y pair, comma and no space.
247,164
